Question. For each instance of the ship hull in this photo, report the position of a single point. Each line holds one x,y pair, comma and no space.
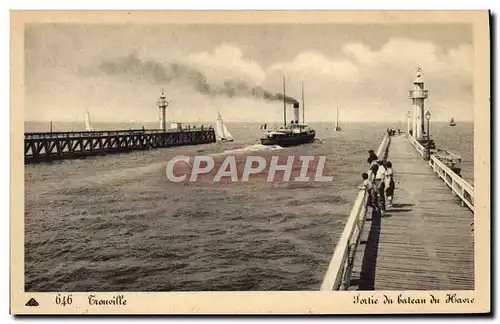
292,140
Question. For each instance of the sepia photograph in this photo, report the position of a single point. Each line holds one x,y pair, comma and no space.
299,153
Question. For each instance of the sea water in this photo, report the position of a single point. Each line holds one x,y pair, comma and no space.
115,223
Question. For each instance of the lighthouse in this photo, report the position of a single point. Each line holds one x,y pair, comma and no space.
163,104
418,94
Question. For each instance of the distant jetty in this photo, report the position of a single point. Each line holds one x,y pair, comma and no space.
49,146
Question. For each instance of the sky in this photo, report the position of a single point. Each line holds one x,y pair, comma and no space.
118,71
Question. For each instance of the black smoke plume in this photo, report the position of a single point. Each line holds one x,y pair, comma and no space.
167,72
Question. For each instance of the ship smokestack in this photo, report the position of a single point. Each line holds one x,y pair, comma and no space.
296,111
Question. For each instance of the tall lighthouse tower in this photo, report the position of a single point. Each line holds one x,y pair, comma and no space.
418,94
162,103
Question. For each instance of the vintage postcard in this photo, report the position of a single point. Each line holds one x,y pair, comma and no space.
250,162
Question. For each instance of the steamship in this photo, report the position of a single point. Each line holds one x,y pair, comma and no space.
294,134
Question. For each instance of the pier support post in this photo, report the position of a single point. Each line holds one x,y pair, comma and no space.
408,127
427,153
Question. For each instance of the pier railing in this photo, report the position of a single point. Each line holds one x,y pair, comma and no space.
458,186
36,135
339,270
50,146
419,147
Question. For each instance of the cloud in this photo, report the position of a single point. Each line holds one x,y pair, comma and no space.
226,62
356,69
360,79
397,52
398,56
132,67
447,74
401,53
318,65
461,59
231,80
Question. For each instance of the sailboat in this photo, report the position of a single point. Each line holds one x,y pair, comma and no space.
295,134
452,122
221,130
337,127
88,124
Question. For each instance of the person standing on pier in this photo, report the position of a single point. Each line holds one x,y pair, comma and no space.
380,184
372,160
372,157
367,185
389,183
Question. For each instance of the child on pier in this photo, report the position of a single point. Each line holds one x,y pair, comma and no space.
380,184
368,186
389,183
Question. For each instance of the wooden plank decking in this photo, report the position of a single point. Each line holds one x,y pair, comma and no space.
424,242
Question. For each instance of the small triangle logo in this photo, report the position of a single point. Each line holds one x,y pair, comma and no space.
32,302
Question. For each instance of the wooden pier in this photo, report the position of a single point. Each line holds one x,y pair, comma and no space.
49,146
424,242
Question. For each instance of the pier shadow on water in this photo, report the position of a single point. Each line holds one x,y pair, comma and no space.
369,263
402,205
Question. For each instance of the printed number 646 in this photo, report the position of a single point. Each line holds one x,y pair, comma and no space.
63,300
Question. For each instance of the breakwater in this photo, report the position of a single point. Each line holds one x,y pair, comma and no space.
48,146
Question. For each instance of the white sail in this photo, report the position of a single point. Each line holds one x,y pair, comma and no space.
228,135
221,130
337,122
337,127
88,124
